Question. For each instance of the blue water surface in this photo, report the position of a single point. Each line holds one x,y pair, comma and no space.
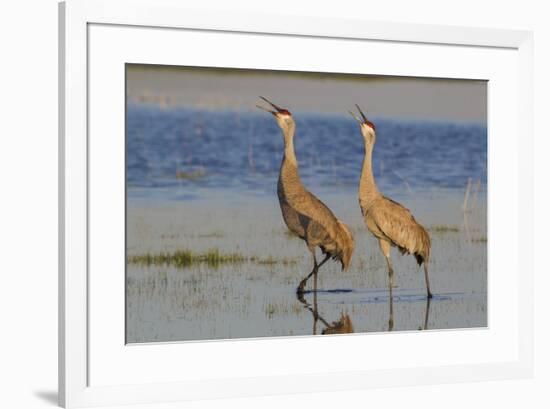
177,153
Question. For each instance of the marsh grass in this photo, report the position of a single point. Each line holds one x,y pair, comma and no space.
187,258
270,309
443,228
212,258
217,234
270,260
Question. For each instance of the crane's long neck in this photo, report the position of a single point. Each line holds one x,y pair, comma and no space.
289,178
368,191
289,157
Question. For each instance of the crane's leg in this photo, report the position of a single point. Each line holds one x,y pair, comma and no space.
385,247
317,272
315,308
390,322
300,289
427,313
430,295
327,256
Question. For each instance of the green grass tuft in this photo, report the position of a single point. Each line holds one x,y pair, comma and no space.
270,309
186,258
443,228
212,257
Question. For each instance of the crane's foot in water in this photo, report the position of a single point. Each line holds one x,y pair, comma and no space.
300,288
430,295
300,294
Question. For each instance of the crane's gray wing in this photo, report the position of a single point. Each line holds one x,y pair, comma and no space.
398,225
310,206
341,244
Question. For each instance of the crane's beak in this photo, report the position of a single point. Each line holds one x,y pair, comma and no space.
277,109
272,104
359,121
362,114
267,110
355,117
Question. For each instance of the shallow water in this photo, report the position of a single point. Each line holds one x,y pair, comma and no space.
175,154
201,180
253,299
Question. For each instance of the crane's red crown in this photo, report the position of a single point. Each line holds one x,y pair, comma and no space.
278,109
369,123
363,120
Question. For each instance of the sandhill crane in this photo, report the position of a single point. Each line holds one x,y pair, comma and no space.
392,224
305,215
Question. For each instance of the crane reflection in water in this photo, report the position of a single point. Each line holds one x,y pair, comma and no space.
344,324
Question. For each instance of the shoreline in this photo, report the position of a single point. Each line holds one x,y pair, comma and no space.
403,97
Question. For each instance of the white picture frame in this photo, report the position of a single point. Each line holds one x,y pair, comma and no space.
106,376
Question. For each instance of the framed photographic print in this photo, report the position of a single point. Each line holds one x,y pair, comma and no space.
241,192
219,222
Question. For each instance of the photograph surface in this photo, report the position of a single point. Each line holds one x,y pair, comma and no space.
269,203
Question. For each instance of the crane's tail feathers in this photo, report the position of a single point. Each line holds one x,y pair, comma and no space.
418,244
339,245
419,259
345,244
422,254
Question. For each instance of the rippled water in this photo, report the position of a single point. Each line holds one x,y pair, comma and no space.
173,154
200,180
